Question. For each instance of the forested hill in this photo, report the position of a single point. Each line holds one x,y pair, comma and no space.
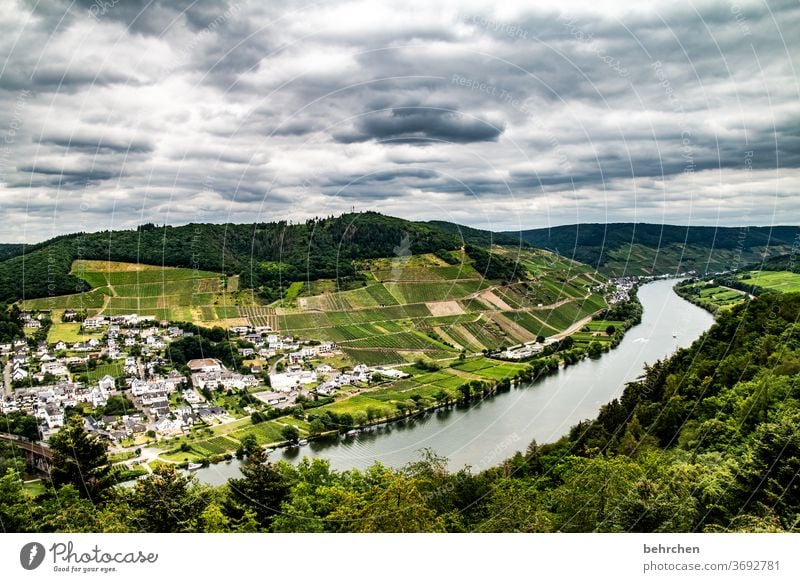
653,249
789,262
10,250
263,253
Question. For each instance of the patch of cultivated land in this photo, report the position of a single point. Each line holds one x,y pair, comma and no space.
715,296
445,308
164,292
420,307
783,281
423,389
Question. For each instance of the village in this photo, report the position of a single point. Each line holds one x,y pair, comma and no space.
149,398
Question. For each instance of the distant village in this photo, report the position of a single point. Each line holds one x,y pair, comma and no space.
149,398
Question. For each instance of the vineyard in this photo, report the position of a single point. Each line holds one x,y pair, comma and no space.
400,310
419,306
168,293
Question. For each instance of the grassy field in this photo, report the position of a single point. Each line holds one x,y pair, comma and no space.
226,438
69,333
114,369
712,297
164,292
783,281
715,297
422,389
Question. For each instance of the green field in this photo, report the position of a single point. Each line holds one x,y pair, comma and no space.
783,281
423,387
164,292
69,333
714,297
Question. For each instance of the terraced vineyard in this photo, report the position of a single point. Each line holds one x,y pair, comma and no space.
421,307
405,308
259,316
164,292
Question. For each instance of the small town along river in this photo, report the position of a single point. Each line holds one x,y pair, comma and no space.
488,432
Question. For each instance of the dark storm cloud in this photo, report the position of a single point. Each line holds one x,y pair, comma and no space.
153,16
98,144
49,78
421,125
61,177
382,177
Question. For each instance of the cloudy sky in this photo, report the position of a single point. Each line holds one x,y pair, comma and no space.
495,115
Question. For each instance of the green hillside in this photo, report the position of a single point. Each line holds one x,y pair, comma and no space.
10,250
167,293
430,306
653,249
423,306
267,256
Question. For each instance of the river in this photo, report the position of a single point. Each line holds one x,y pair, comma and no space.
492,430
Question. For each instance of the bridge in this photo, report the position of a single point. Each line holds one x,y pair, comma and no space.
37,455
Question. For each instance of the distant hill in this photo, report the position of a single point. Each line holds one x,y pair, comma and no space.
268,256
652,249
477,237
788,262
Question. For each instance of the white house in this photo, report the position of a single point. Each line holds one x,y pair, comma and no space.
94,322
106,383
288,380
53,416
54,368
99,396
18,374
391,373
165,427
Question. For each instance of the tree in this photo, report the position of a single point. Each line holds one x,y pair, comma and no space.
168,502
80,459
316,426
118,405
262,489
21,424
13,504
290,433
247,446
515,505
611,330
394,505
